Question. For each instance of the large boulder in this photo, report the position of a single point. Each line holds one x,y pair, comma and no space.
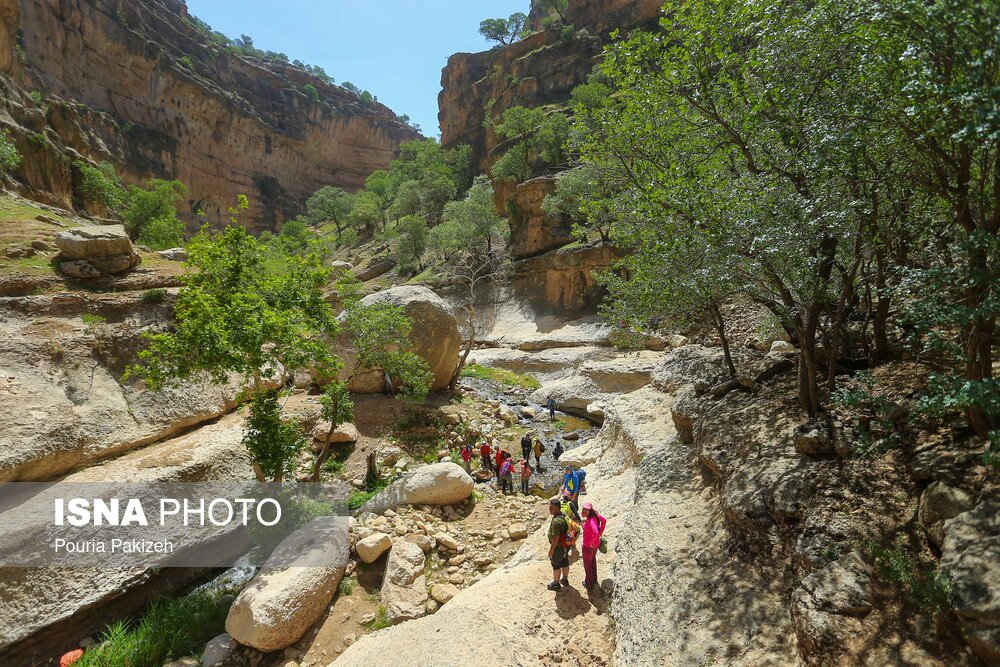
342,434
283,601
372,547
827,608
404,586
107,249
938,503
435,337
970,556
436,484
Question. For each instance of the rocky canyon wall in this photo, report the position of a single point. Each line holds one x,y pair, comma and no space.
138,84
538,70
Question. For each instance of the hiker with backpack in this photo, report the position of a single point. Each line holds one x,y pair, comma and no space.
498,460
506,475
558,548
525,476
574,522
573,482
526,446
551,404
593,530
557,451
539,449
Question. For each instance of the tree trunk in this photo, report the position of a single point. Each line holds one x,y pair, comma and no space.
453,383
259,473
720,327
323,455
372,478
880,319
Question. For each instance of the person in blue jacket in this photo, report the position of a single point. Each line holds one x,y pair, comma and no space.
572,483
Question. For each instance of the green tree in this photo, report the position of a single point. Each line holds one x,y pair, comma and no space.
295,235
591,196
329,204
534,141
379,187
366,213
554,9
150,213
504,31
715,129
411,244
241,313
940,73
380,339
472,246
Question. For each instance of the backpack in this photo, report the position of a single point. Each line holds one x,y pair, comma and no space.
573,526
505,468
543,449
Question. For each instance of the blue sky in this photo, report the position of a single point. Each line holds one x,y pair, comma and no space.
394,48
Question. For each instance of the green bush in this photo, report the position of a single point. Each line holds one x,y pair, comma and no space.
170,629
155,295
346,586
150,214
928,587
273,442
91,318
36,97
10,158
311,91
101,184
358,498
381,619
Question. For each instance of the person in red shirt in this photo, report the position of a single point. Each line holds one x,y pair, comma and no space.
467,457
593,528
485,453
501,455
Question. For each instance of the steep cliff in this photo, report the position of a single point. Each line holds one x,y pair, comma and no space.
140,85
538,70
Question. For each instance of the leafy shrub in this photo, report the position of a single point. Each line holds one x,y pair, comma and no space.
101,184
10,158
927,587
91,318
311,91
150,214
346,586
273,442
155,295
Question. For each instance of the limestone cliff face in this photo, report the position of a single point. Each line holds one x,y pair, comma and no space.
136,83
538,70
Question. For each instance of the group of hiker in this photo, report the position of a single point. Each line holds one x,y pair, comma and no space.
568,525
501,462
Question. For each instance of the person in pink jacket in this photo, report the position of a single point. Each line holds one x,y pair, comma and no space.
593,527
